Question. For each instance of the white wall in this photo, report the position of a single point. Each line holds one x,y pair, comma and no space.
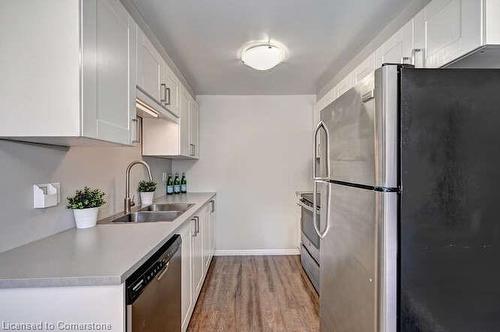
23,165
255,152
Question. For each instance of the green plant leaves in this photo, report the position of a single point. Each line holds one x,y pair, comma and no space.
146,186
86,198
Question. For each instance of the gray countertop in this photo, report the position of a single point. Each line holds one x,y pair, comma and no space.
103,255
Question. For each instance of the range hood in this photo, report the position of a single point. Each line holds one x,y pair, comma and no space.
148,107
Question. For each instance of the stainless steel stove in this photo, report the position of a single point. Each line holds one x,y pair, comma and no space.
310,241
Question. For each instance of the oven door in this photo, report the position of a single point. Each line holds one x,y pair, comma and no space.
307,226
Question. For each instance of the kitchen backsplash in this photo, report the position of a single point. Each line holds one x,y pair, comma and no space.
22,165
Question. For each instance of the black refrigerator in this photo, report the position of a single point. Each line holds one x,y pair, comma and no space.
409,175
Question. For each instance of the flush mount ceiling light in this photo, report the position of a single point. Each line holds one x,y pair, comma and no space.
262,55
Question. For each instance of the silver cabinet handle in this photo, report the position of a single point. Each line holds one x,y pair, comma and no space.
321,125
136,136
167,95
213,206
413,56
366,97
163,86
315,218
197,225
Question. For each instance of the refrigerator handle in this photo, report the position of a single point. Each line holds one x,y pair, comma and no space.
321,125
327,209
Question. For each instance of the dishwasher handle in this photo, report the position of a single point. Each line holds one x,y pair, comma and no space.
162,272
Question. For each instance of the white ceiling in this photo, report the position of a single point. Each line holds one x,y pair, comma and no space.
203,38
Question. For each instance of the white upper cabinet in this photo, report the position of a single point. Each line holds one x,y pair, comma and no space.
185,148
364,69
64,82
492,23
344,85
149,68
175,140
155,77
194,129
445,33
397,49
171,85
446,30
109,89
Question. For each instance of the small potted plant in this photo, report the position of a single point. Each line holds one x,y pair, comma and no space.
146,191
85,205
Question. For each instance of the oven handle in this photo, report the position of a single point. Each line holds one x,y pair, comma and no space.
308,208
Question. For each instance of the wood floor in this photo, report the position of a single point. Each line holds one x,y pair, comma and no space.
256,293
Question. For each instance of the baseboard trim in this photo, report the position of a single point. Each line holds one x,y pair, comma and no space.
257,252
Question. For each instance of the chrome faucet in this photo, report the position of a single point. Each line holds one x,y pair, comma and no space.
128,201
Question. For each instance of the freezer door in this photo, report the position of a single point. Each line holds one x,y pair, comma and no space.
358,262
362,126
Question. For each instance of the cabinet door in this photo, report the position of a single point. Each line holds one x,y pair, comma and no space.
109,59
364,69
448,29
194,129
398,48
171,86
186,283
149,71
212,228
207,234
184,122
344,85
197,256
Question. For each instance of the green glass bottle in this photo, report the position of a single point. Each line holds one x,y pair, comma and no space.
177,184
183,183
170,185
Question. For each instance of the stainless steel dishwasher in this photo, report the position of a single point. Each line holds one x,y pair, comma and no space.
154,291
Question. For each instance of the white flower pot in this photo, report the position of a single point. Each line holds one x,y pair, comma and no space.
147,198
85,218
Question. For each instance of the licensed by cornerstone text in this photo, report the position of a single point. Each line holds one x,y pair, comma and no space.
54,326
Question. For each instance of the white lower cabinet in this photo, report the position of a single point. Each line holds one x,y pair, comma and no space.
198,247
197,251
187,292
207,235
212,229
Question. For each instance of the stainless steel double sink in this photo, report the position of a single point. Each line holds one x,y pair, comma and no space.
157,212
